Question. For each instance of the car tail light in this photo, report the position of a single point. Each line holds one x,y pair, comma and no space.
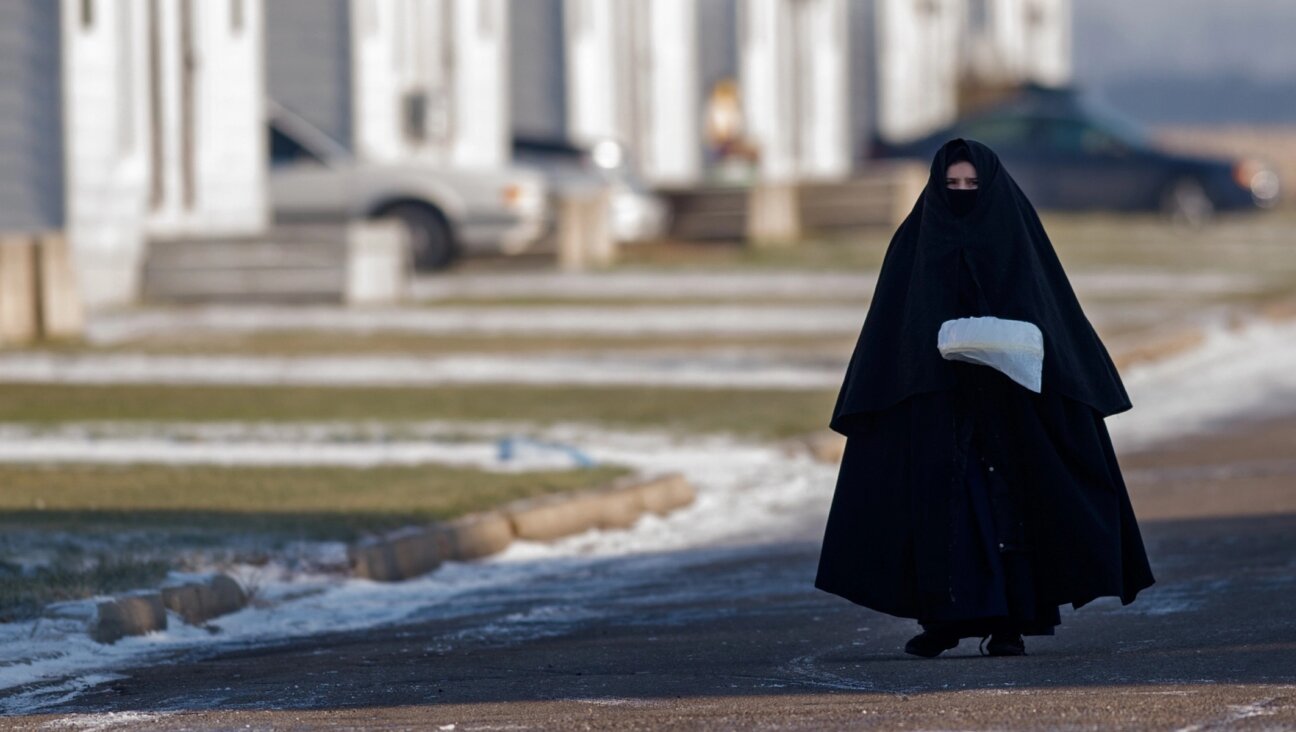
522,198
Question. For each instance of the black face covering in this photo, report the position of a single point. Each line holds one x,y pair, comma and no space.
961,200
991,240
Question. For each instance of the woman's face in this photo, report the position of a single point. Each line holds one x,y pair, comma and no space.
961,176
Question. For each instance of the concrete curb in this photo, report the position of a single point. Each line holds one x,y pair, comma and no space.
824,446
415,551
128,615
195,602
198,602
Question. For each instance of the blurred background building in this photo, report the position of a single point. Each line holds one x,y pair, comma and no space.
131,119
124,122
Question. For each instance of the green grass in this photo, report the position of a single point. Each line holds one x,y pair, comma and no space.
1264,243
301,502
22,595
756,413
150,515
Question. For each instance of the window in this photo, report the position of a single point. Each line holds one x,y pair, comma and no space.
284,150
1079,137
87,14
1005,131
236,15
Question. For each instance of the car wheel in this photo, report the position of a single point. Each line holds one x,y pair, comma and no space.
432,244
1185,201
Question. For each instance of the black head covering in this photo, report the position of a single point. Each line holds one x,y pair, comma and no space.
961,200
1000,244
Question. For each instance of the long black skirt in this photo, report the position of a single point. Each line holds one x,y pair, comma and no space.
991,583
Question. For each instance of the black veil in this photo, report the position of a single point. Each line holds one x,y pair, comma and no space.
1016,274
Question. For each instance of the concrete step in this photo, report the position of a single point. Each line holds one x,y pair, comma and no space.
877,196
290,263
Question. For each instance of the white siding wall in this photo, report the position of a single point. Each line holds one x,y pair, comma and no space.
592,84
1020,40
228,179
671,150
31,117
825,146
919,47
633,76
453,52
794,85
481,74
231,153
106,146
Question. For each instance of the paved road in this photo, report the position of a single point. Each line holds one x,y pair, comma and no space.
737,638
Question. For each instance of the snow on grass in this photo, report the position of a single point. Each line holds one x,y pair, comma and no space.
1236,372
716,371
503,456
554,320
748,493
779,285
645,285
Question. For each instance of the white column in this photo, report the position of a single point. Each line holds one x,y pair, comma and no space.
793,70
825,146
766,83
673,131
106,144
230,155
632,75
482,136
447,56
592,85
1046,36
918,55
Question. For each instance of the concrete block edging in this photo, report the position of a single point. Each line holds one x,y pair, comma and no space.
415,551
142,613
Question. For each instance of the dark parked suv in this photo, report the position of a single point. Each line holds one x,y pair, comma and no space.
1067,153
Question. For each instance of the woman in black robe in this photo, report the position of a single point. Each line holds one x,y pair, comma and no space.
966,500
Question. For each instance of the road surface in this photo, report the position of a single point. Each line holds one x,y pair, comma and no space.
736,637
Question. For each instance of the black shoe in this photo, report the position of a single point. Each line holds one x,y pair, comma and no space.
930,645
1003,644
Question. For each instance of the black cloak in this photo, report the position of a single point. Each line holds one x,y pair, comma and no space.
886,541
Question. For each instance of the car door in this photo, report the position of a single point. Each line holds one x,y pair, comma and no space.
1089,168
302,184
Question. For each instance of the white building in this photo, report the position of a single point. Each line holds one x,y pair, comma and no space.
927,48
632,75
795,87
918,52
1019,41
151,112
395,80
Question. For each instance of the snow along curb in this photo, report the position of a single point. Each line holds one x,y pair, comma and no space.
415,551
138,614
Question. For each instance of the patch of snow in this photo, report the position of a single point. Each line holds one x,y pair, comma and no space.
748,494
745,491
108,328
1248,371
713,371
646,285
522,456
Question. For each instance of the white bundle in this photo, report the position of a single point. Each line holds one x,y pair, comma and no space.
1015,347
